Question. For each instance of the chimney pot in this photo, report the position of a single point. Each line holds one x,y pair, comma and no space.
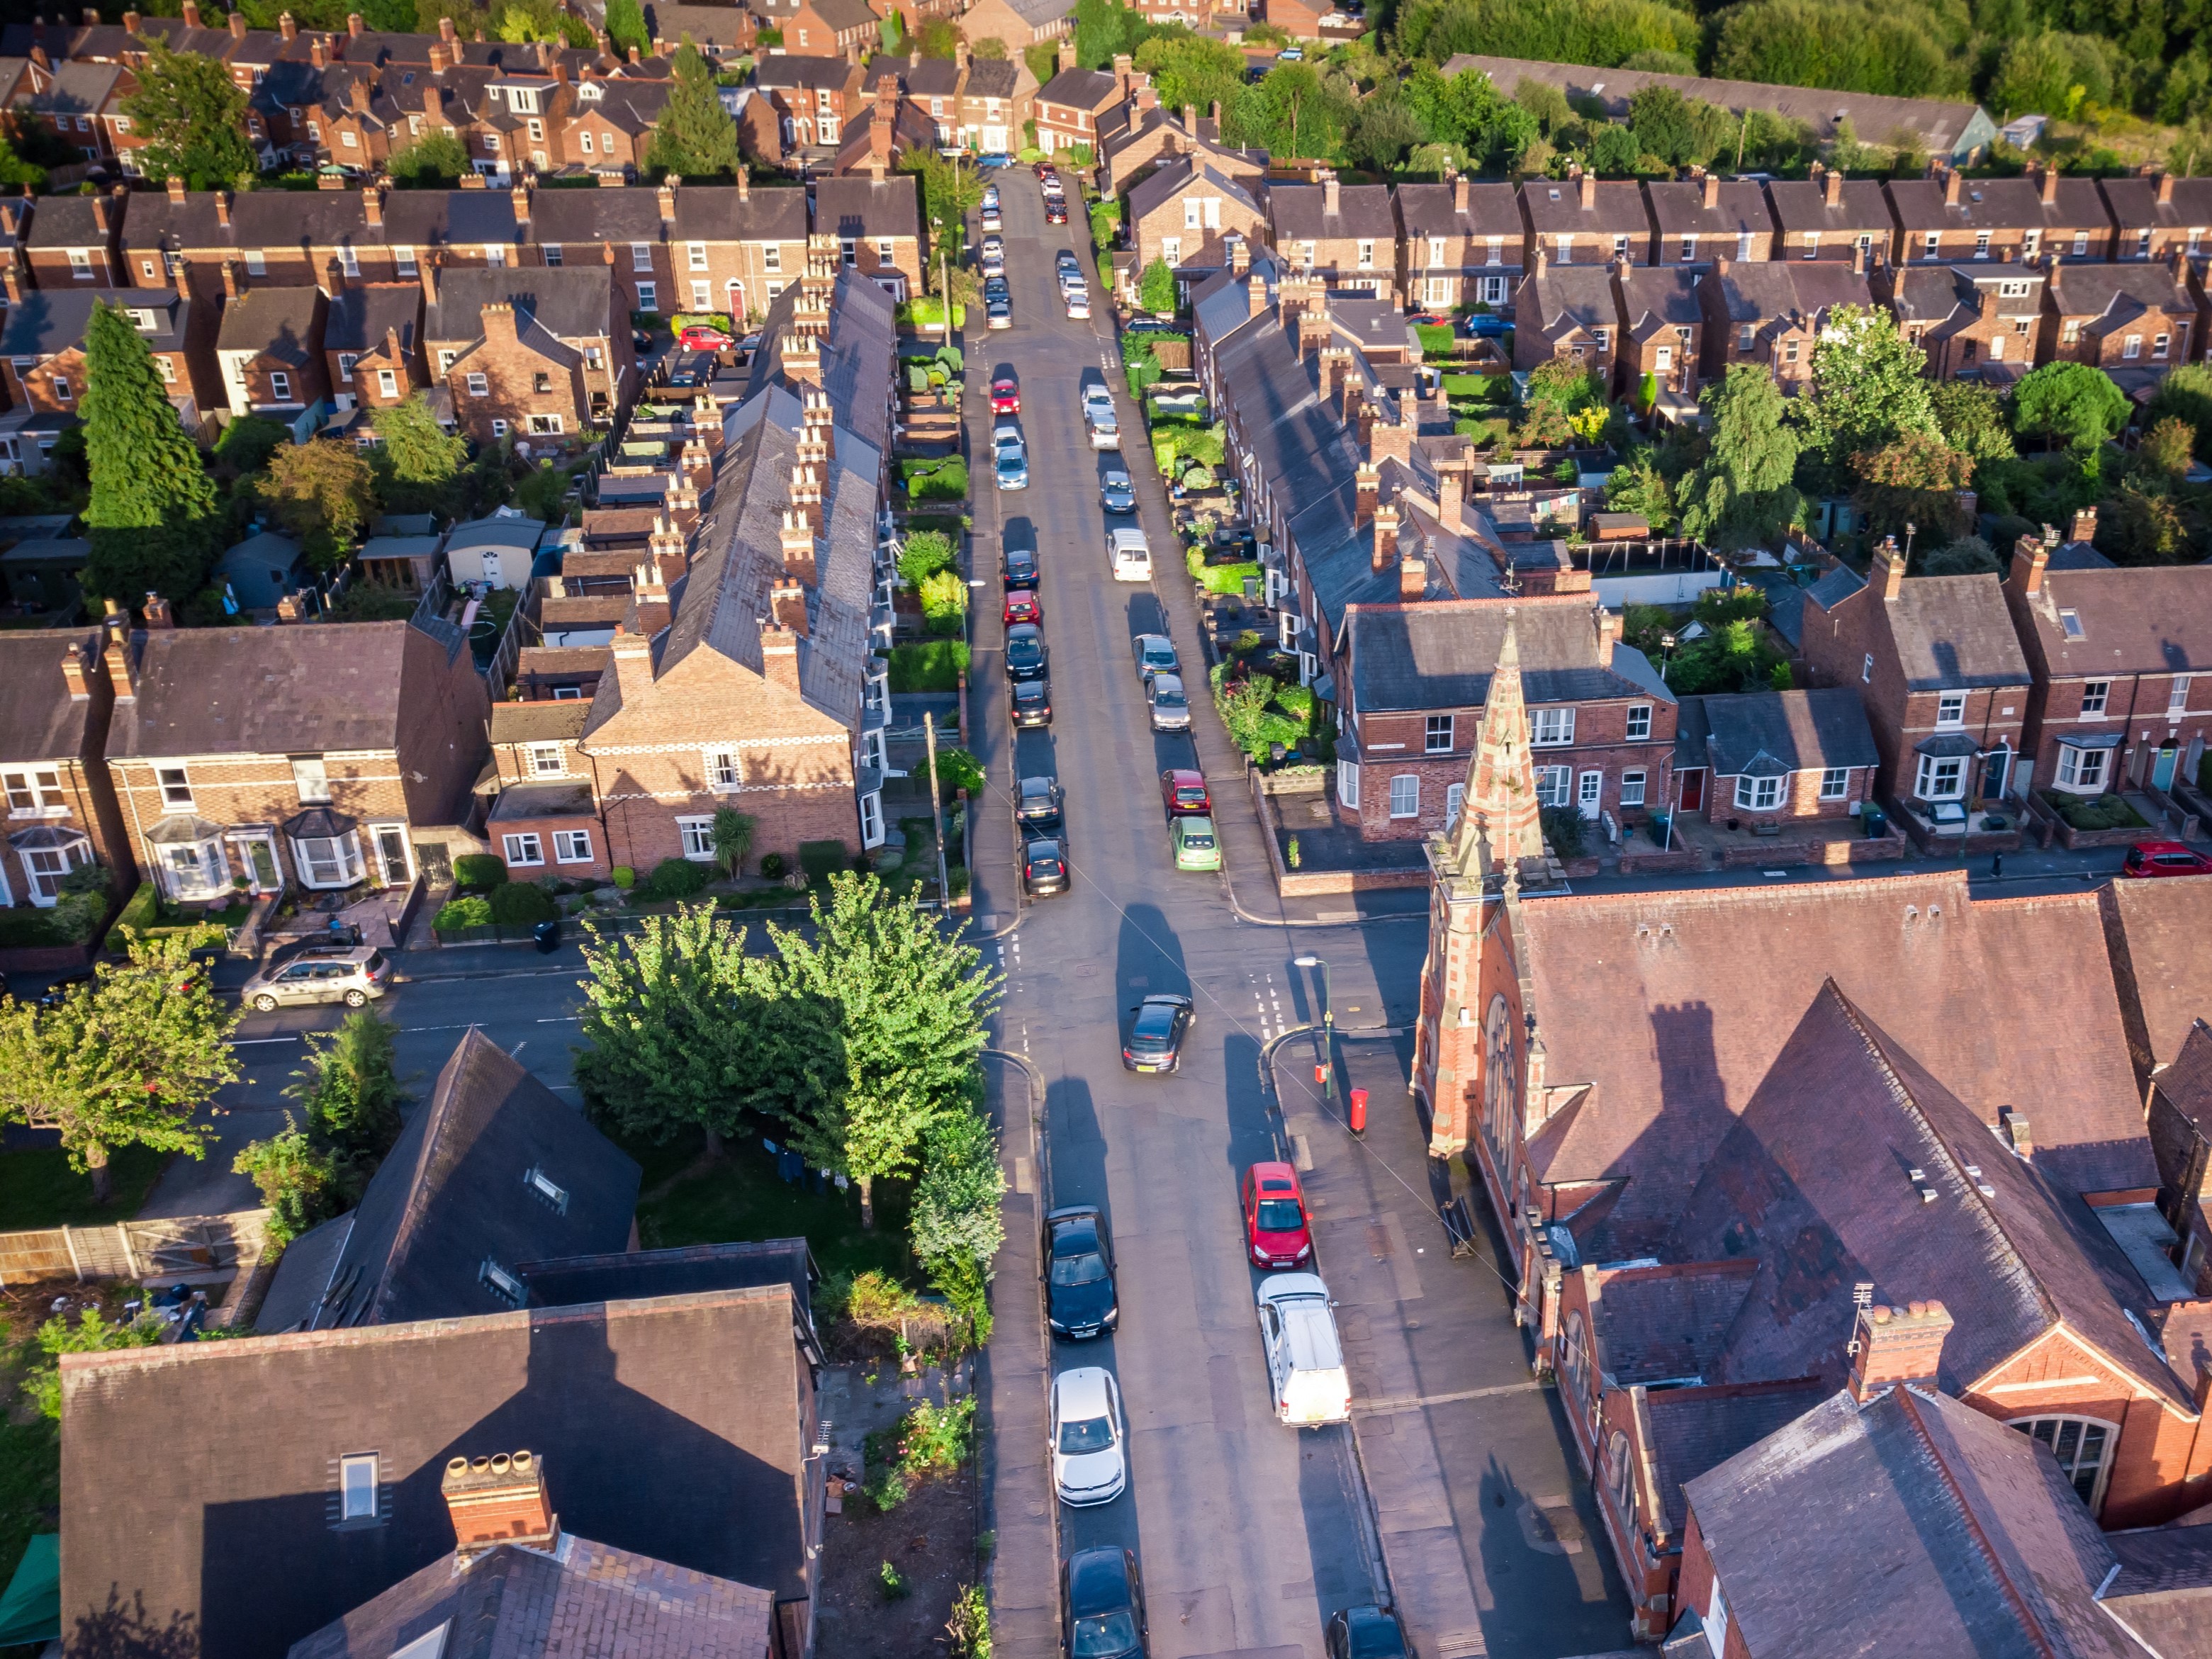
438,56
2085,526
1386,535
158,613
1367,482
177,188
1832,187
1889,565
76,665
316,54
1712,197
1898,1345
353,25
498,1500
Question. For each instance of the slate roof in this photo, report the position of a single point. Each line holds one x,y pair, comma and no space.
2133,202
455,1193
511,1600
2115,293
707,26
1679,210
1163,182
1997,204
269,691
672,1428
602,215
989,78
2164,1590
38,719
360,317
1799,291
2156,931
2151,619
1299,213
48,321
1656,298
785,69
630,1275
1663,1324
1978,1542
66,221
859,206
1695,1430
1554,207
1801,205
1493,210
706,213
1768,734
1038,13
1948,297
1673,1016
569,302
1436,656
1950,632
274,322
553,721
1078,89
1567,298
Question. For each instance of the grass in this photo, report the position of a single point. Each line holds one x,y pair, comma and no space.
38,1188
1436,339
741,1198
30,1479
931,666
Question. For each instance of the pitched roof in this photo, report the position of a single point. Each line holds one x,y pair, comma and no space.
1801,290
1656,298
1996,204
1078,89
628,1275
49,320
2133,201
1493,210
1662,1324
1439,655
1566,298
1694,1430
779,70
570,302
1976,1539
1300,213
990,77
2116,293
859,206
1949,297
2164,1590
2157,932
457,1191
670,1428
74,221
1554,206
759,214
2153,619
1679,210
360,318
1163,182
38,719
274,322
602,215
1671,1015
1768,734
1949,632
1801,204
590,1599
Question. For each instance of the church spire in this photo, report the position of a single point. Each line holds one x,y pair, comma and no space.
1499,814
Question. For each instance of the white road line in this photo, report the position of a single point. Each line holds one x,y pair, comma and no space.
516,1051
248,1043
561,1019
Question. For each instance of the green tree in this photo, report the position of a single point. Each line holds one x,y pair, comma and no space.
94,1333
910,1005
2053,73
350,1088
1740,495
152,504
950,192
991,50
1972,418
436,161
1193,70
299,1180
2073,404
130,1059
733,838
2146,526
2186,394
1867,386
1914,479
1637,485
1660,117
956,1203
418,463
694,135
2168,448
1294,111
1155,288
324,493
926,553
193,117
1382,133
626,27
940,38
958,769
1969,555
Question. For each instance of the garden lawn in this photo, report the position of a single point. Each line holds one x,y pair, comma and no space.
38,1188
1436,339
740,1200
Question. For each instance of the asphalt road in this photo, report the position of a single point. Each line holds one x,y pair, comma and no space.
1248,1533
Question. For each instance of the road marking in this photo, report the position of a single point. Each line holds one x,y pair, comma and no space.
515,1052
248,1043
1412,1402
561,1019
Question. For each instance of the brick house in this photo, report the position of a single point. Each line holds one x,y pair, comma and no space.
813,96
1018,24
1975,322
1153,138
1829,216
2155,214
849,28
1346,233
1460,243
270,348
1568,311
574,229
1185,212
718,32
1414,681
2180,1127
543,353
2133,320
305,757
55,702
1946,217
42,347
746,245
2122,696
373,343
1790,757
1708,218
1935,662
876,217
603,125
73,241
1071,105
1663,330
1582,220
997,96
1773,312
80,104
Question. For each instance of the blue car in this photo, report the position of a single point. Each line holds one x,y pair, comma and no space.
1012,471
994,158
1487,328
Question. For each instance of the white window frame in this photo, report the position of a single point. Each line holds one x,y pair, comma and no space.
1437,739
1589,793
1758,795
572,847
1406,795
1640,722
280,386
697,835
2177,697
1835,783
1940,777
1551,728
1348,784
725,770
648,298
545,426
640,257
387,383
479,384
344,864
176,787
872,819
1631,787
1950,710
2096,695
357,1497
35,792
1455,797
2081,770
1555,785
2108,1449
523,849
546,760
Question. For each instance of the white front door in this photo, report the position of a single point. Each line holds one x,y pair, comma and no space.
1592,786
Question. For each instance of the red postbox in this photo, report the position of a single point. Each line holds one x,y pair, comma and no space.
1358,1111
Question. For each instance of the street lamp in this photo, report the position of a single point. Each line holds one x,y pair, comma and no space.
1327,1026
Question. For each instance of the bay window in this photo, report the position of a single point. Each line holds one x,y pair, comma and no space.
2083,767
1758,795
325,848
1940,777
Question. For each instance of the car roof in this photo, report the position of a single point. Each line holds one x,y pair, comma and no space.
1173,998
1264,1176
1044,847
1040,786
1162,680
1030,688
1026,630
1097,1582
1082,1391
1180,775
2162,847
1195,823
1028,553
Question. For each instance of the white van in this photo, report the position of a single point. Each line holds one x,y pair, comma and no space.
1305,1365
1128,555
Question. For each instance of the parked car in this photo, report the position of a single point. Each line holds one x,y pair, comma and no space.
1149,326
695,370
1480,327
1065,260
1055,212
1275,1231
1116,494
993,259
1155,655
1096,401
705,337
1037,804
1170,707
1184,791
1025,651
1021,567
1105,429
1011,469
1128,555
991,219
1087,1462
1022,607
2164,857
1006,395
994,158
1197,847
997,314
1367,1631
1044,867
1080,1300
1306,1380
1077,301
1290,55
1103,1605
1032,702
991,196
1156,1033
996,287
354,977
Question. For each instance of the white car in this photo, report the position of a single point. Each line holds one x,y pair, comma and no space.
1087,1462
1306,1378
1079,303
1096,399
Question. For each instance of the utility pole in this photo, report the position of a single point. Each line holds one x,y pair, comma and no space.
936,808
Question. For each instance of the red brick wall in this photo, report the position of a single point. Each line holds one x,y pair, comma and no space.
2135,705
1801,800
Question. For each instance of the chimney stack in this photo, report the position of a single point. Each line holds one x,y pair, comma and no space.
1067,52
497,322
745,186
786,602
520,197
1367,482
116,654
1858,259
191,14
437,58
354,26
177,188
2050,183
2030,555
222,200
448,30
1609,633
798,537
1950,186
2165,188
1461,196
11,278
232,283
180,274
1586,191
1412,574
1892,1346
157,613
1385,516
2085,526
77,663
288,26
1451,499
1331,195
498,1500
316,54
237,26
1985,300
428,271
1888,567
1711,197
334,278
779,648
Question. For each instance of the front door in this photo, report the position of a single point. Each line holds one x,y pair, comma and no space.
1693,790
2161,770
1995,766
258,853
1591,789
391,855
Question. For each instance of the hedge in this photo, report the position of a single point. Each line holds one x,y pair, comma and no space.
521,905
928,665
479,870
69,920
676,879
469,912
821,860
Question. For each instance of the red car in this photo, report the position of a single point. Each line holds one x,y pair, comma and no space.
1045,170
1184,791
1006,395
2164,857
1022,607
1275,1217
700,336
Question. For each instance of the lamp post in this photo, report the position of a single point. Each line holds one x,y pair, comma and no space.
1327,1026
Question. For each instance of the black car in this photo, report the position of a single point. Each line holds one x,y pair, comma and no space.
1021,569
693,370
1032,702
994,287
1104,1604
1078,1287
1044,868
1366,1632
58,988
1025,657
1055,210
1037,803
1156,1036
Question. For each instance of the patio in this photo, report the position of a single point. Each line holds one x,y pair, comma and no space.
1781,843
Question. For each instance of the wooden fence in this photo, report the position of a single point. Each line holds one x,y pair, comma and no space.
195,1249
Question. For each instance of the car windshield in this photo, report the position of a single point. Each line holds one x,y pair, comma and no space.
1168,696
1198,840
376,962
1093,1434
1161,656
1190,794
1086,1269
1375,1636
1023,651
1280,1215
1044,865
1107,1634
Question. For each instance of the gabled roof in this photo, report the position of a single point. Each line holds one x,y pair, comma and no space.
2154,619
1976,1539
1299,213
38,719
1948,298
1997,204
1554,207
1493,210
2157,931
2134,203
1437,656
1799,291
707,213
2116,293
2164,1590
1079,88
361,316
48,321
273,322
990,77
786,68
1679,210
1657,298
1694,1430
74,221
859,206
603,215
1165,182
1568,298
1951,633
1801,204
1770,733
1665,1323
705,26
456,1193
569,302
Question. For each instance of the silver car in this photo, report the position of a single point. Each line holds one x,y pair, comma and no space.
1156,654
1170,707
354,976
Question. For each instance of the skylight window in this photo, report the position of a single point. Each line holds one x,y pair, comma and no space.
502,1283
551,1191
2070,622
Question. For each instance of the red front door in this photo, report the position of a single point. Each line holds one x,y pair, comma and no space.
1693,790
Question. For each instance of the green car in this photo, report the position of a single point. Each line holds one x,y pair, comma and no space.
1196,846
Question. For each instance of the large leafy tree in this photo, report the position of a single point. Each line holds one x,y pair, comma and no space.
956,1203
694,135
626,26
324,493
1972,418
193,117
418,463
2075,405
1295,112
1740,495
949,190
152,504
1193,70
1867,388
1916,480
436,161
350,1087
129,1059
